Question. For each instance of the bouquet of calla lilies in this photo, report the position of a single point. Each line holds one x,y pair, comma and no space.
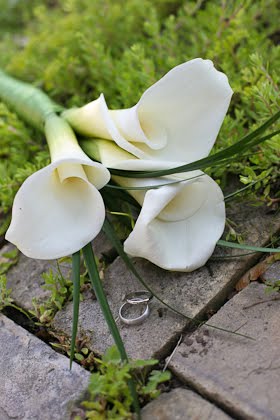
155,151
58,210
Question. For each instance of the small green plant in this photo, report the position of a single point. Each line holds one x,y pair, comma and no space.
82,355
232,234
108,393
5,297
8,259
5,293
60,289
272,286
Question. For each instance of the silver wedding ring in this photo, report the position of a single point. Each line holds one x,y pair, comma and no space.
134,321
140,298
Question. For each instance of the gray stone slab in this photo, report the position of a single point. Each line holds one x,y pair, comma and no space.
272,274
191,293
182,404
35,383
25,278
240,374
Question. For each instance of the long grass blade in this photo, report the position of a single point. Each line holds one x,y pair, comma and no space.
218,158
241,190
101,297
76,302
249,247
112,236
151,187
221,257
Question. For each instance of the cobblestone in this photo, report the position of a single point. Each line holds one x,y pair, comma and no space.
182,404
35,383
238,373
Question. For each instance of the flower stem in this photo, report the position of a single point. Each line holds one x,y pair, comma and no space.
30,103
101,297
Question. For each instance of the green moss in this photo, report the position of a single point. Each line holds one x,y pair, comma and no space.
14,14
76,49
21,153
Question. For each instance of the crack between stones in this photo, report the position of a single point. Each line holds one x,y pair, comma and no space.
230,411
40,332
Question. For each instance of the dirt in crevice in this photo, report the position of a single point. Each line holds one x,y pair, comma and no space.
28,324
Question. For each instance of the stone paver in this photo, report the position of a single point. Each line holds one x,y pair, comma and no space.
182,404
25,278
272,274
191,293
239,374
35,381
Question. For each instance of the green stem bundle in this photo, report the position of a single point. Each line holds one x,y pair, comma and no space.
30,103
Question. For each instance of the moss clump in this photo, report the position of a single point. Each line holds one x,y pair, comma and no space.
21,153
76,49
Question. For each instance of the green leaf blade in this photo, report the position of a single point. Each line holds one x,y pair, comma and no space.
101,297
249,247
76,302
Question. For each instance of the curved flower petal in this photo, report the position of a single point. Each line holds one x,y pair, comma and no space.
58,209
181,114
95,120
112,156
176,120
178,225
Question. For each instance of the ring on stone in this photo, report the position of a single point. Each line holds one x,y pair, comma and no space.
140,296
138,319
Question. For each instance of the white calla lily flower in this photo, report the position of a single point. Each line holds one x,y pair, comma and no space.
59,209
176,120
179,224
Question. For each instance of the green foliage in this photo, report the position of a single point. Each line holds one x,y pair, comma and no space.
272,286
7,260
121,48
60,289
82,355
14,13
5,297
108,392
20,156
5,293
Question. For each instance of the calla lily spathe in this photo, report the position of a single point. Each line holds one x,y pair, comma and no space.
180,223
59,209
175,122
177,119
